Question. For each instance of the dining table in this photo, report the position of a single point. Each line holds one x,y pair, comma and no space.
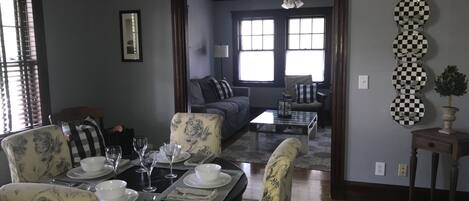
138,181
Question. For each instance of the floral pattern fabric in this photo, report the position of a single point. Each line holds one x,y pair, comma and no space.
278,172
36,155
43,192
197,132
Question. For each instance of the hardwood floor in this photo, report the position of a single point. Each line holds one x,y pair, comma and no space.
308,185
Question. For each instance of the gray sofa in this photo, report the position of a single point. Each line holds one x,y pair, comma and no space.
235,110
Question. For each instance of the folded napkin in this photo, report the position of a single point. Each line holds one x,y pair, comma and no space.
198,159
188,194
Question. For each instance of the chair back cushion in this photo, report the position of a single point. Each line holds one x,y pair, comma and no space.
38,154
43,192
197,132
306,93
292,80
279,171
85,139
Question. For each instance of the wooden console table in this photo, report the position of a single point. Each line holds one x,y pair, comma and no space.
457,145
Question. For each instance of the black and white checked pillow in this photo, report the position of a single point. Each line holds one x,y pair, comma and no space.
85,139
222,88
306,93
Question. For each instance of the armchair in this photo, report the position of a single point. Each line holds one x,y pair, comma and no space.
317,106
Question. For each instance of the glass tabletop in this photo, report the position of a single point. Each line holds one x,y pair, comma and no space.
298,118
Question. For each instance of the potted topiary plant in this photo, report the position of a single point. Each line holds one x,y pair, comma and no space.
450,83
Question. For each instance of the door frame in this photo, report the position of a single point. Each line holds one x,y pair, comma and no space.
339,82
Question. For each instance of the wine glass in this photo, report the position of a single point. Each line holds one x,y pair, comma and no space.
171,151
148,163
113,156
140,146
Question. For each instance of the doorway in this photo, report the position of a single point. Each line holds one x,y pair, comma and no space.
339,81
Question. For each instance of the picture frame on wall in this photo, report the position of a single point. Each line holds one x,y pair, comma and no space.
131,36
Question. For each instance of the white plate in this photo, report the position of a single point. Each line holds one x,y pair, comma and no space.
192,181
161,158
130,195
78,173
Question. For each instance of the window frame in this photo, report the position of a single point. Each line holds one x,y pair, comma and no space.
41,59
281,18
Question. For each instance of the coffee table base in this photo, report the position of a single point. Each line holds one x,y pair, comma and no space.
304,135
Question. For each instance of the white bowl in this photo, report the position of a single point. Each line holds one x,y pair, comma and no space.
93,164
207,173
111,190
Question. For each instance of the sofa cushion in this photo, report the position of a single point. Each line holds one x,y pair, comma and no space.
208,90
241,101
195,93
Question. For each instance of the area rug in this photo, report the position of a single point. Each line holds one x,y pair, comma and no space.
318,157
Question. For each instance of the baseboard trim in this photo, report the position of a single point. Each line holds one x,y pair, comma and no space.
360,191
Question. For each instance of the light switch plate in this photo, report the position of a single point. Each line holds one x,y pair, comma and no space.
363,82
380,168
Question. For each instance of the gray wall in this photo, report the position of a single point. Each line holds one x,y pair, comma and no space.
85,68
372,135
200,38
260,97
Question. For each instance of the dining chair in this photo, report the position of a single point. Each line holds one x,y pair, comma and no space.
36,155
197,132
279,171
43,192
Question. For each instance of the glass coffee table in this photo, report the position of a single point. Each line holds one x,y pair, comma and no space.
302,124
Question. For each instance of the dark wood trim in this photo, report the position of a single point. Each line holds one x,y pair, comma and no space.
42,60
179,27
358,191
139,25
339,97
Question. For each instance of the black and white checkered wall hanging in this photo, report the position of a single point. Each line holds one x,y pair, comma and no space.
409,78
410,46
407,109
411,14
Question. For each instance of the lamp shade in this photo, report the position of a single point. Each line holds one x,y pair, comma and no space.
221,51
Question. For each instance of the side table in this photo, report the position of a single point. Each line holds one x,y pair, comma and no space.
457,145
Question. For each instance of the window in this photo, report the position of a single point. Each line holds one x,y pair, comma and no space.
306,50
274,43
20,93
256,56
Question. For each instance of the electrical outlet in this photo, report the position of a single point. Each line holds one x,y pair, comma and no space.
402,170
380,168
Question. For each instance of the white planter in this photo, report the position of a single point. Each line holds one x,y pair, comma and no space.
449,116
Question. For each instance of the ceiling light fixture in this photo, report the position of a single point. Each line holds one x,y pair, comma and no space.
287,4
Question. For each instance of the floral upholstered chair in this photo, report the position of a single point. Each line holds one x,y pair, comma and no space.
278,172
197,132
38,154
43,192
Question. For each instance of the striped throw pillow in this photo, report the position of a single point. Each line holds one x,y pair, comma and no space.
223,88
85,139
306,93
